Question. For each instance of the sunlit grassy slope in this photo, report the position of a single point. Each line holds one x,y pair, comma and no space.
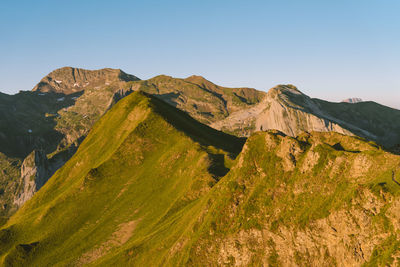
321,199
140,166
150,186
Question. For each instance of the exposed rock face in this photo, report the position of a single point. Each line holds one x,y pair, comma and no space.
34,174
292,119
287,109
69,80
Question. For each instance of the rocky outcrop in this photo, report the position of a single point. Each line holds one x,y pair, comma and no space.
35,171
284,114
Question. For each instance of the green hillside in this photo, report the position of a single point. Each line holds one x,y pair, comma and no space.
140,166
150,186
322,199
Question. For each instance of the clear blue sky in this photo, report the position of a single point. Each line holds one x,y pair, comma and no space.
329,49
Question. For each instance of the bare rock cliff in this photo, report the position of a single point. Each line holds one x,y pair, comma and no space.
35,172
284,114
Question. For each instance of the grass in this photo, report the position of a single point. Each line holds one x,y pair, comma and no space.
186,190
9,182
156,162
382,253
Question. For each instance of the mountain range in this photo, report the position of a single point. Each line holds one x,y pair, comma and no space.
170,171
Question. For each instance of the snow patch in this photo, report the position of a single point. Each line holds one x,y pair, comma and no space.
57,81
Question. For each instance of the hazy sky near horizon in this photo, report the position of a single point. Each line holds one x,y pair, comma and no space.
328,49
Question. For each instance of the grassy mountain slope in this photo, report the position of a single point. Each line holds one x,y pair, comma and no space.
151,186
141,165
317,200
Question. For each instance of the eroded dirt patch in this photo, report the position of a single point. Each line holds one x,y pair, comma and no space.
117,239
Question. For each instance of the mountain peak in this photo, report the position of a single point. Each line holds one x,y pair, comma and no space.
69,80
196,78
202,82
283,88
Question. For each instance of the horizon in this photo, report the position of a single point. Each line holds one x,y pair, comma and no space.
331,51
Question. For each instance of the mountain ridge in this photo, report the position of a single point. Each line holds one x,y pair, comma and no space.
60,110
156,199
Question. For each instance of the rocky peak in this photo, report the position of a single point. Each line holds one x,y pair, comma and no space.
202,82
69,80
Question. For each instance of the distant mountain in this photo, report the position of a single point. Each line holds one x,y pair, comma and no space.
286,109
151,186
199,97
352,100
69,80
